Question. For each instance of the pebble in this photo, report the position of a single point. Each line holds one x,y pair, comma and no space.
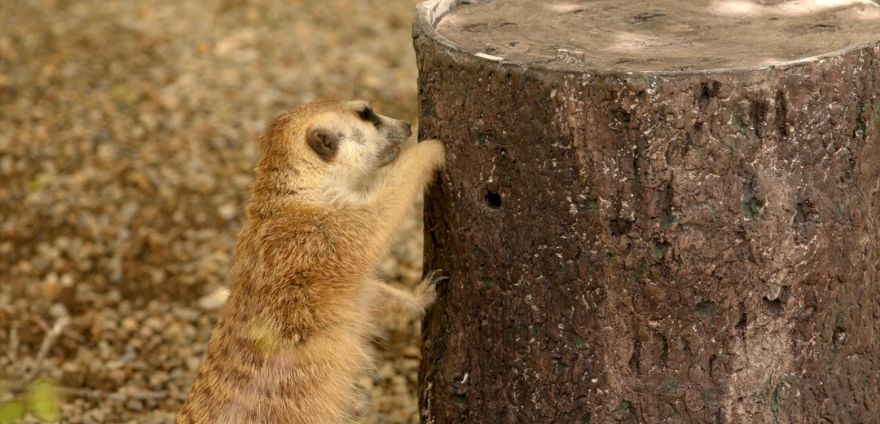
134,405
58,311
214,300
129,324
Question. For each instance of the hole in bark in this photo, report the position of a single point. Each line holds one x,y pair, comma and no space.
634,365
708,92
743,323
805,217
493,200
620,227
706,308
806,212
839,338
660,249
751,206
858,132
664,350
781,114
621,117
669,217
482,136
758,114
777,306
712,360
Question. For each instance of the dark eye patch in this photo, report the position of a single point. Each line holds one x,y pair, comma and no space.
367,115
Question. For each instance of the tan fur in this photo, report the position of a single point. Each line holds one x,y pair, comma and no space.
295,332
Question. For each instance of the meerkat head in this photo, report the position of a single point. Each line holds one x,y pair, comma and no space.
351,139
340,142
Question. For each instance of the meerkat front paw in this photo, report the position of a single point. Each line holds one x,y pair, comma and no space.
427,289
434,151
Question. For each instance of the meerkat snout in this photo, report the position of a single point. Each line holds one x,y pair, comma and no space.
394,132
406,128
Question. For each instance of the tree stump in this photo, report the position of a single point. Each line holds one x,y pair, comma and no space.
653,212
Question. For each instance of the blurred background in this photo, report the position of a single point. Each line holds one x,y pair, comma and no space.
127,142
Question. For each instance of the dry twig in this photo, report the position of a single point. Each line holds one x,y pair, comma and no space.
119,396
93,394
48,342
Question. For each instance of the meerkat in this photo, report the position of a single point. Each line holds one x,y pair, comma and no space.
334,182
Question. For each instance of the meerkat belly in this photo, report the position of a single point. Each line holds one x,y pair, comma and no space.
316,378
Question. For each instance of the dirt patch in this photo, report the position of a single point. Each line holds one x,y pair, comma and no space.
127,142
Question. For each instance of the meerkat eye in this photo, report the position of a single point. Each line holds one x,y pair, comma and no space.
367,115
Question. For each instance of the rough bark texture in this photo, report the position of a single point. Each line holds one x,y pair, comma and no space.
695,247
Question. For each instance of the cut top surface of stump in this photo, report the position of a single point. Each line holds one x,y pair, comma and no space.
655,35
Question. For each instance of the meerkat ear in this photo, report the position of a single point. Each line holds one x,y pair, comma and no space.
323,142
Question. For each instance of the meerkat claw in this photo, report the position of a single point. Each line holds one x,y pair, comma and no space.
434,277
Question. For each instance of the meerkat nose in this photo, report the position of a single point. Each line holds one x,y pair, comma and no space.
407,128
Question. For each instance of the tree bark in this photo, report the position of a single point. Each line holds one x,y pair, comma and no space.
645,247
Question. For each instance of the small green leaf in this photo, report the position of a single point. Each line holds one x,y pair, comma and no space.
12,411
34,185
43,401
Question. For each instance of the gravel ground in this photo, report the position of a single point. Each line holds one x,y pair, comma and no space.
127,142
